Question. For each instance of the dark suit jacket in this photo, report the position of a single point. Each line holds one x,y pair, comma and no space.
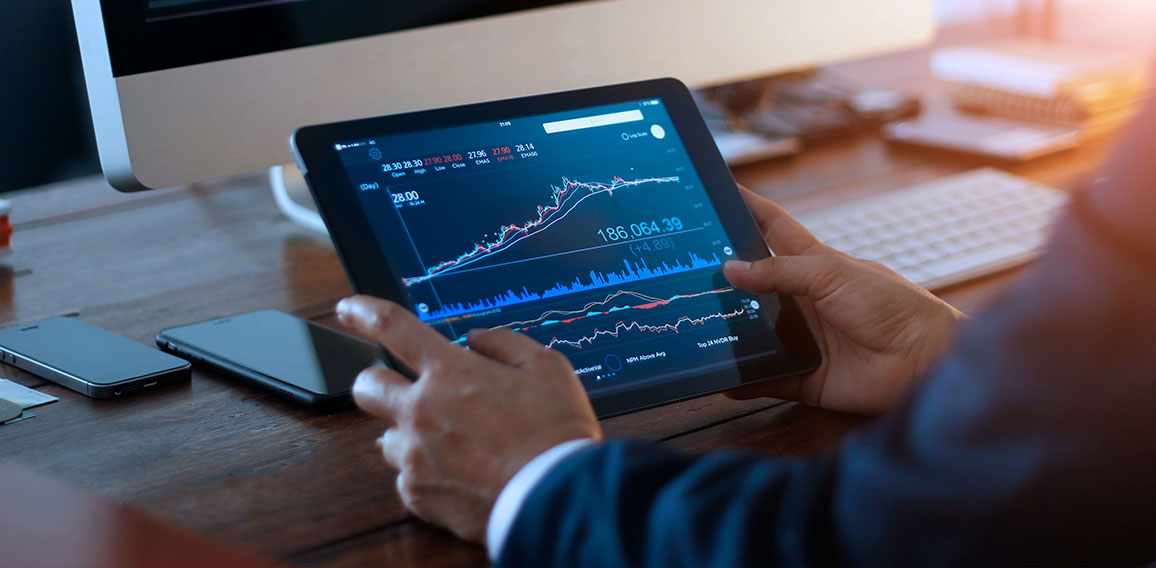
1032,443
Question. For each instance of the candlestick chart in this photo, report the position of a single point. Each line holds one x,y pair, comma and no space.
565,199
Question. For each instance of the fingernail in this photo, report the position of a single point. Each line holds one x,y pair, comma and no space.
737,266
343,307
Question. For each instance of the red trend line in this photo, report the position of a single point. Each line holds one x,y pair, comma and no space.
584,312
621,327
508,235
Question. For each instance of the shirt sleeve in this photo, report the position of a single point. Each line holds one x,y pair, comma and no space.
519,487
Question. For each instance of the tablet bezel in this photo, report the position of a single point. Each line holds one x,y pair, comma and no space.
370,273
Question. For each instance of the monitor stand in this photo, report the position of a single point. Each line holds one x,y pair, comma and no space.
293,198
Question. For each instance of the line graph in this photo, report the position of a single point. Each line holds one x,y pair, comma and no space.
622,327
631,272
585,312
564,199
571,316
608,250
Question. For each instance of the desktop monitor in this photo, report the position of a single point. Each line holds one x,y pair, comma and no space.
187,90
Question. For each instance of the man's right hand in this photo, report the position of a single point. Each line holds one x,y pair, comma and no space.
878,332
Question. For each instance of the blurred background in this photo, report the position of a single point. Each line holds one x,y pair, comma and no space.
43,102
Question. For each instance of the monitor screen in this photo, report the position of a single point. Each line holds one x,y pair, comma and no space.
588,230
152,35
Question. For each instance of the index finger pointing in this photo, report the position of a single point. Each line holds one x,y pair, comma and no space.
382,393
784,234
395,328
507,346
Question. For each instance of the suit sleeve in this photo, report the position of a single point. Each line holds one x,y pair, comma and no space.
1033,442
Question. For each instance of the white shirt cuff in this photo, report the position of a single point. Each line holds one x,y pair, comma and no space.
518,489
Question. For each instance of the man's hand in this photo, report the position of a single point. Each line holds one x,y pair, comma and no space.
472,419
878,331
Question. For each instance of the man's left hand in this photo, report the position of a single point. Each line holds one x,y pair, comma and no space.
472,419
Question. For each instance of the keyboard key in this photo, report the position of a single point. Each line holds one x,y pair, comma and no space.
947,230
953,265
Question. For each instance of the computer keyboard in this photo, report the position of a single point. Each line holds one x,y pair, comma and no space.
944,231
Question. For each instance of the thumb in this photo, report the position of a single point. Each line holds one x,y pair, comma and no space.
813,276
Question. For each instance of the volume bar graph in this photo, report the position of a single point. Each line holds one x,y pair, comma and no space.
565,198
631,272
623,327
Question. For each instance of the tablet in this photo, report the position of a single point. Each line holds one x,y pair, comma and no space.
595,221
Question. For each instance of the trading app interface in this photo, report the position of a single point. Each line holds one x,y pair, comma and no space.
588,230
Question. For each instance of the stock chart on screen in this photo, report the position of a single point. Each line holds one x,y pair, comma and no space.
588,230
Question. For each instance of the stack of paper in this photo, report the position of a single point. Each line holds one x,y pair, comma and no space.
1043,82
16,399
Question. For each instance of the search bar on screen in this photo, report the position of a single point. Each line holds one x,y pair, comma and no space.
592,121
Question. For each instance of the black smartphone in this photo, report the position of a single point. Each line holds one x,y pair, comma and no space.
87,359
297,359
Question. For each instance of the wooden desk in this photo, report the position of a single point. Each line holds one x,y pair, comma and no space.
48,524
231,462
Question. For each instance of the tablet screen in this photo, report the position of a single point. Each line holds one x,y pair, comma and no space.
588,230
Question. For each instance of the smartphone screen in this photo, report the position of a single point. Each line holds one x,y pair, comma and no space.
278,346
